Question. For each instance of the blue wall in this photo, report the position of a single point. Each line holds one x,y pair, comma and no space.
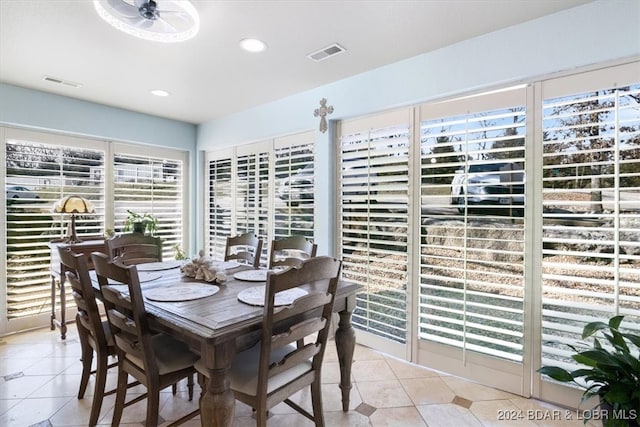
598,32
32,109
35,110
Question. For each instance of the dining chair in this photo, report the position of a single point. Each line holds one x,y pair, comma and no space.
134,248
93,332
156,360
245,248
290,251
275,368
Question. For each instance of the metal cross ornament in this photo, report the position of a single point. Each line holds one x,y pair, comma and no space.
322,112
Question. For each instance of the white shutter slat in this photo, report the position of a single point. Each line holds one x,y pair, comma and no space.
51,169
472,251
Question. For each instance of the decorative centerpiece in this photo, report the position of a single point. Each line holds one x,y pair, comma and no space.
203,268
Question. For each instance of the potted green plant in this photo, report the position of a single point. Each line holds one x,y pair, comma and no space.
611,372
141,223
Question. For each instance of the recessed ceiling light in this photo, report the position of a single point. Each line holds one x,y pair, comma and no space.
253,45
160,92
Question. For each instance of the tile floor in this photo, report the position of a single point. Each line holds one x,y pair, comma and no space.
39,377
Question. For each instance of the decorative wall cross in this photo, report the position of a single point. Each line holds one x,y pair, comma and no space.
322,112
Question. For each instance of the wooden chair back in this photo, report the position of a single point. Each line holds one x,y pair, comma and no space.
94,337
245,248
88,318
155,360
290,251
134,248
283,327
127,317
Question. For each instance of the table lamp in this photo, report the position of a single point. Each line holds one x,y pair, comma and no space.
73,205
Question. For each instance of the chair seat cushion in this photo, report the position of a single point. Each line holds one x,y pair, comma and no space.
171,355
244,370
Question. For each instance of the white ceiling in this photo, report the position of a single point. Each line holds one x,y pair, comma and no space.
210,76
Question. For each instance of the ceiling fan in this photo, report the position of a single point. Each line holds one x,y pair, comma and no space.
157,20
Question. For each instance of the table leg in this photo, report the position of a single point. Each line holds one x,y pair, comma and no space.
63,310
217,404
345,344
53,302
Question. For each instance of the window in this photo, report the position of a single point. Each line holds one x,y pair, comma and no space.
374,219
591,206
471,294
41,168
151,185
265,188
40,171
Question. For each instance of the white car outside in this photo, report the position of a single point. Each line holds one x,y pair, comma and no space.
488,183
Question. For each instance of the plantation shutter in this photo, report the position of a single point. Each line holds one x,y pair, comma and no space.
249,189
591,201
374,220
252,191
40,170
154,185
220,197
471,294
294,205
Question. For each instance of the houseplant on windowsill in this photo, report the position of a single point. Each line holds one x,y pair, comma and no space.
612,372
141,223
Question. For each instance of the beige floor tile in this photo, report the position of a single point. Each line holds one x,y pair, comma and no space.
547,415
60,386
424,391
52,366
365,353
345,419
384,394
403,369
6,404
474,391
448,415
499,413
22,387
397,417
46,375
32,411
372,370
13,365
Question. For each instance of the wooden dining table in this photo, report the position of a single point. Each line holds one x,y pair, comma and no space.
219,326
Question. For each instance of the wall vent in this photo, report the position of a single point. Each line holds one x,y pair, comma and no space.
60,81
326,52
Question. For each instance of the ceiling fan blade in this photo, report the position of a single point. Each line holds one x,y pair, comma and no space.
167,25
138,22
140,3
123,8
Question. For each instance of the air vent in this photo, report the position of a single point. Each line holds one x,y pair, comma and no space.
60,81
326,52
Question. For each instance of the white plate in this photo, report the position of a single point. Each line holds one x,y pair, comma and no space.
227,265
158,266
252,275
255,296
184,292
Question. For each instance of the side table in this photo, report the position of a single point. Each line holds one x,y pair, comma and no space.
58,276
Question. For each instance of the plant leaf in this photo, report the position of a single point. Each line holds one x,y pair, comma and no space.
615,321
556,373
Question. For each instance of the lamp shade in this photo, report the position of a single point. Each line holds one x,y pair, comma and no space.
73,205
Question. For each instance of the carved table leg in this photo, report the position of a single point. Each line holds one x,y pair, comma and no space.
345,344
217,404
